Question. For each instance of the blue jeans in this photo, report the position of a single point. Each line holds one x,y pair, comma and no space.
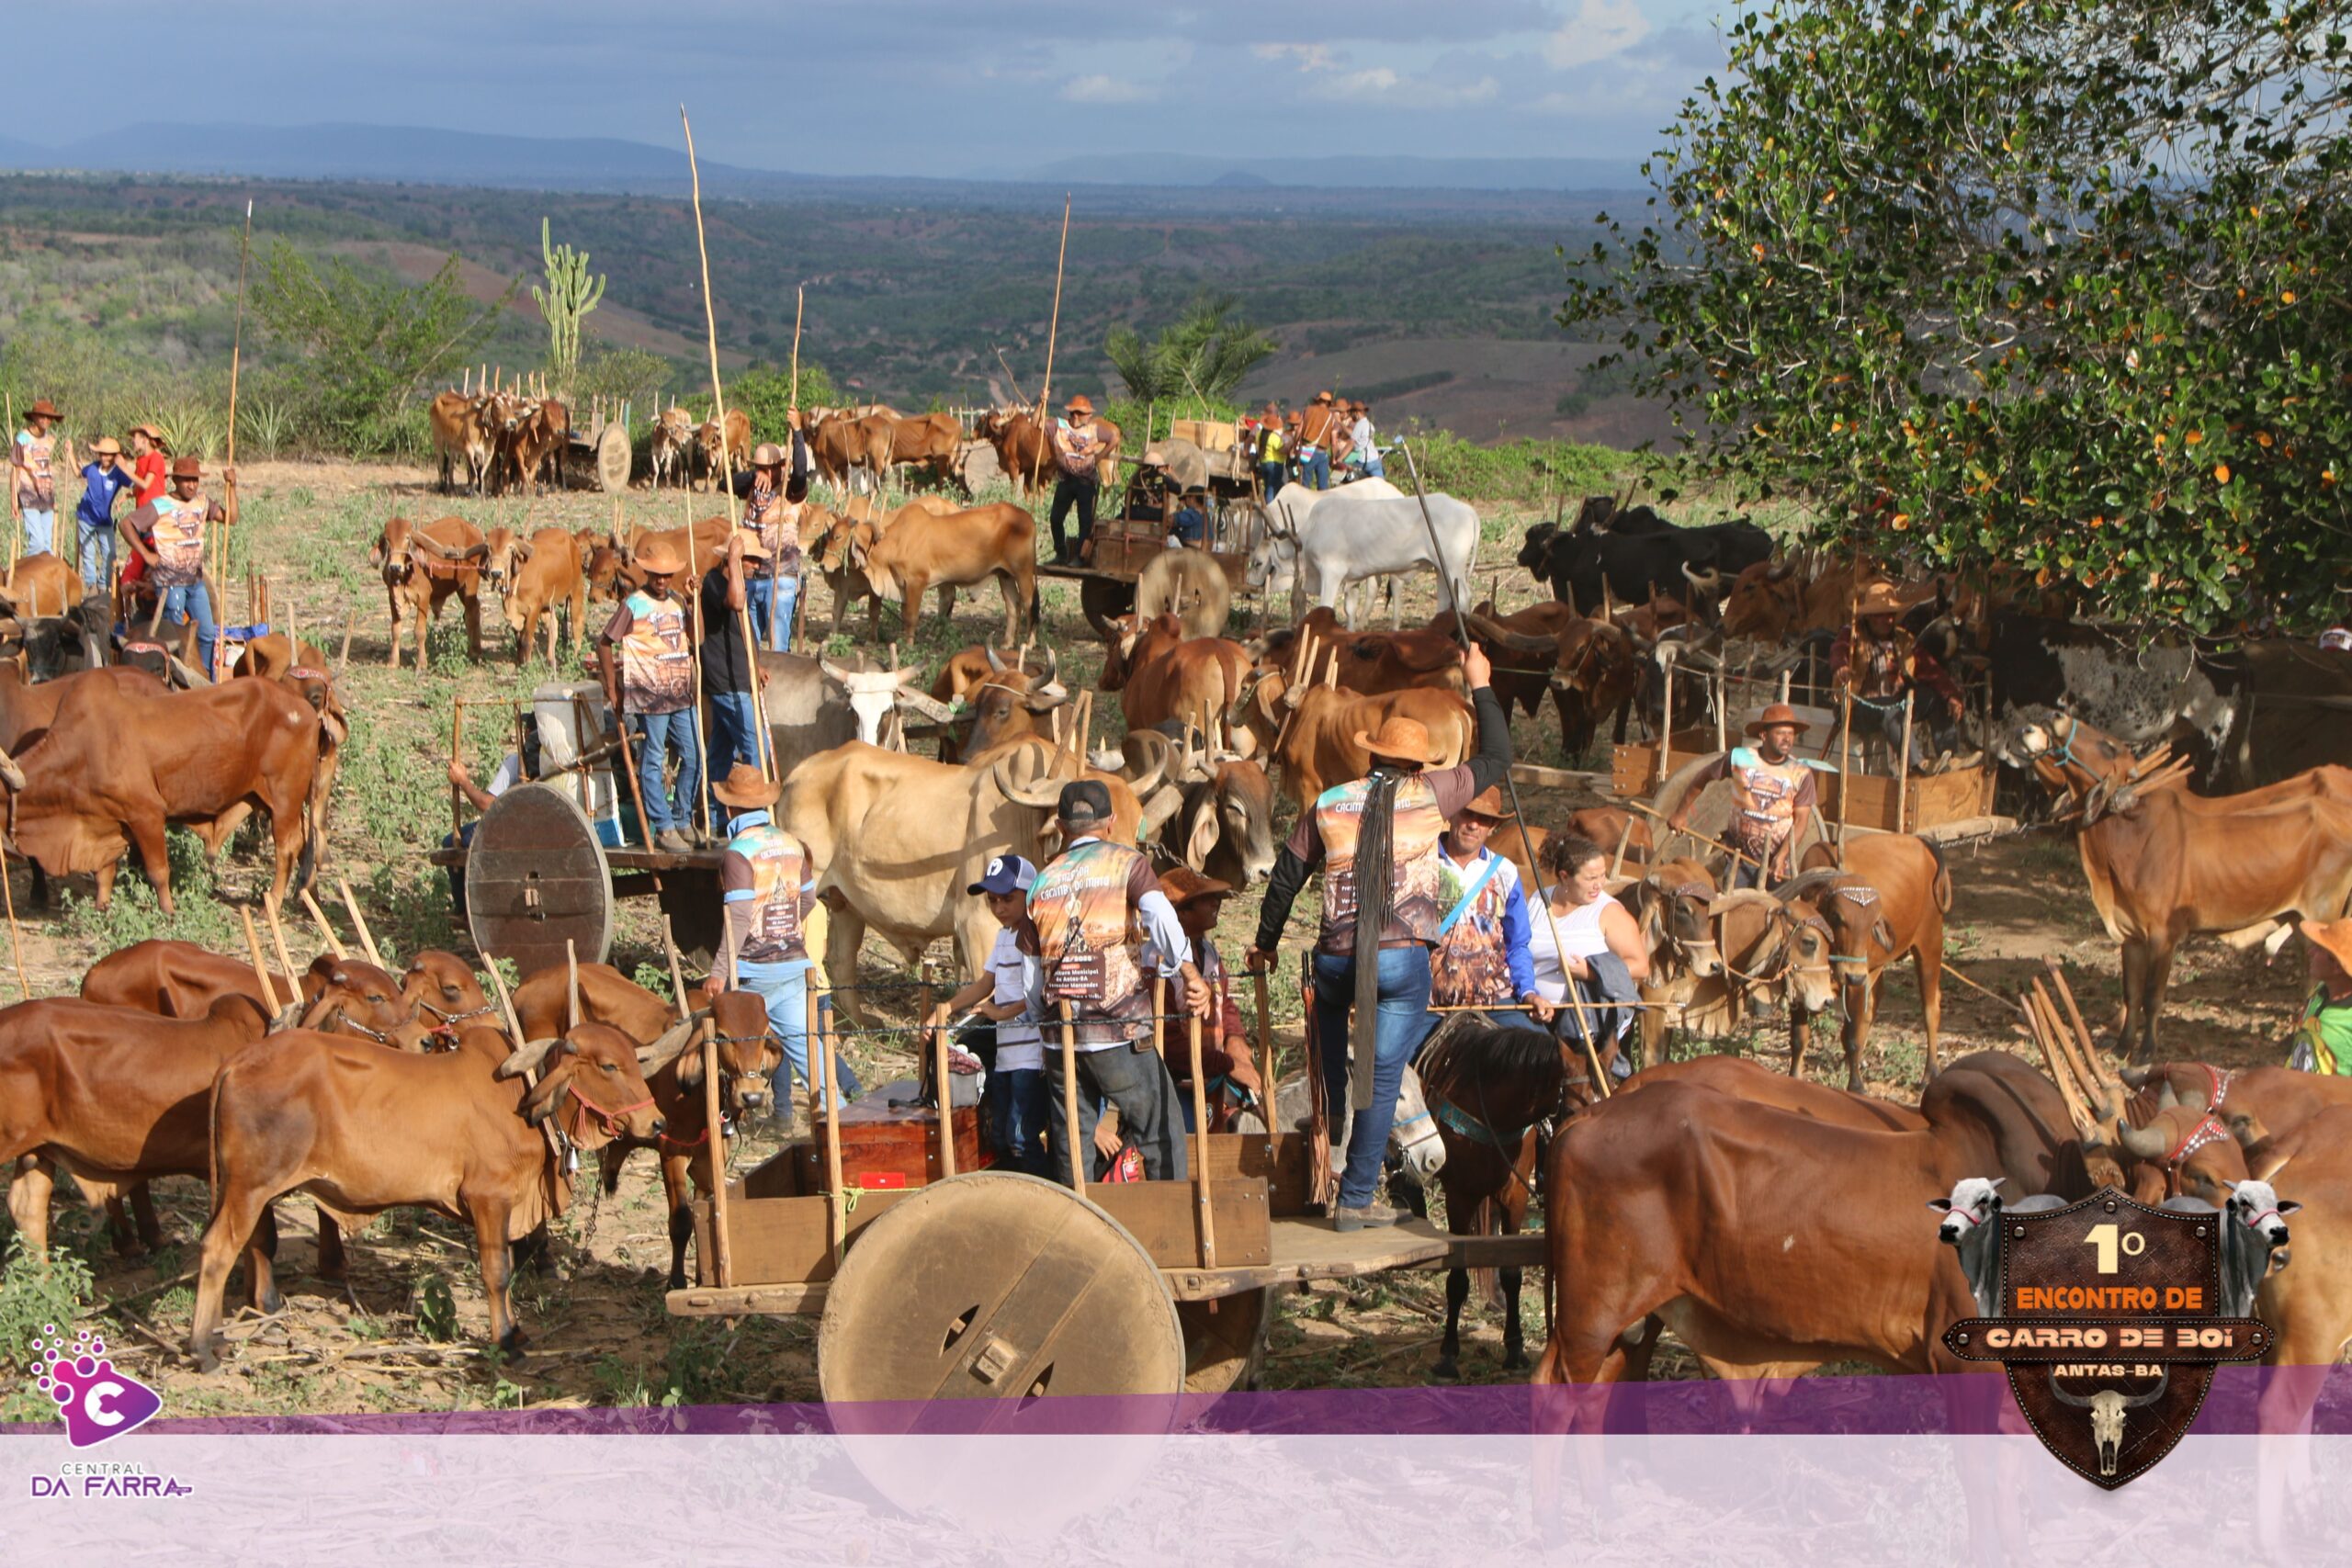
734,738
1315,468
98,542
770,603
660,734
193,599
41,530
785,988
1402,1025
1017,1109
1270,479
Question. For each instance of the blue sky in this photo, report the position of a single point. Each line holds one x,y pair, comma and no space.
938,87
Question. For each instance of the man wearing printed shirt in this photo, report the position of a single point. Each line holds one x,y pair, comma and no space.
772,505
1481,959
1421,799
168,535
769,890
649,674
727,670
1773,797
1082,904
38,453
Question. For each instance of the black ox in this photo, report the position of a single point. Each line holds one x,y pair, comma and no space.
1632,552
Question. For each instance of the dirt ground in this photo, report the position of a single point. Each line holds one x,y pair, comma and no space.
403,1334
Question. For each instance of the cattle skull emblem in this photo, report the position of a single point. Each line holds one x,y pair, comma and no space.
2109,1316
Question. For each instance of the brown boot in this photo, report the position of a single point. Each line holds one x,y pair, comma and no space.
1365,1218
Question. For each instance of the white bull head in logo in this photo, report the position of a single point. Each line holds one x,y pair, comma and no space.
2106,1408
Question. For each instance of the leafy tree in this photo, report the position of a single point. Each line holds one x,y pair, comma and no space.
2053,285
765,394
1204,354
366,349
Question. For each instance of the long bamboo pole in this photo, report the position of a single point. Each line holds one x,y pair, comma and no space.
1078,1156
1201,1145
335,942
236,353
726,457
1053,331
457,755
261,964
833,1179
15,937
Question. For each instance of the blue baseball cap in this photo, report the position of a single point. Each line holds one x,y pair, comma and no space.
1006,873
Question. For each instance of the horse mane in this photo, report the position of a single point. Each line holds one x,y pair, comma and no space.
1511,1065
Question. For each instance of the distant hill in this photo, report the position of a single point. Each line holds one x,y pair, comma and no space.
1369,171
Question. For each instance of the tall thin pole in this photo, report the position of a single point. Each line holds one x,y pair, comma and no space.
236,353
710,329
1053,331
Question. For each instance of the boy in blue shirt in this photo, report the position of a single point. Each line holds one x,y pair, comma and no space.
1190,526
104,482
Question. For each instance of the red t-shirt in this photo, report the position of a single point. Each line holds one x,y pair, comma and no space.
152,472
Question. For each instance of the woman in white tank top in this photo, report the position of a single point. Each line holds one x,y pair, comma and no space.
1579,919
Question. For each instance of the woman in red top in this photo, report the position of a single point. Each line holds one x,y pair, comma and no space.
150,469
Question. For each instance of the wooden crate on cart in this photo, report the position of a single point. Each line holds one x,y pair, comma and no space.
1928,800
1632,764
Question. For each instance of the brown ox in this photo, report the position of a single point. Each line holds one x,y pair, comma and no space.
1225,825
1162,675
1022,451
423,565
460,433
543,575
932,441
1769,1241
1608,826
530,431
842,444
1672,904
2309,1302
1003,705
1773,601
303,670
1521,647
1370,663
2164,864
612,570
304,1111
672,445
1189,584
725,451
749,1053
1320,749
921,550
1889,901
115,770
2280,1098
40,585
179,979
27,710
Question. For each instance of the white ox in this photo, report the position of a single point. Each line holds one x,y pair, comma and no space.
1346,538
1286,514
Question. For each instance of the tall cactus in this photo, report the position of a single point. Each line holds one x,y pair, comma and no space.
569,295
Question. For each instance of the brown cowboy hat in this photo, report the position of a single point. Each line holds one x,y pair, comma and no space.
1402,740
1271,408
1184,885
767,454
2335,936
186,468
657,558
154,436
1779,713
105,446
1081,403
1487,802
746,789
43,410
1884,598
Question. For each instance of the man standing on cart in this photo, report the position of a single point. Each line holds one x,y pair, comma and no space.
1082,904
1773,797
769,887
1377,841
1077,454
649,672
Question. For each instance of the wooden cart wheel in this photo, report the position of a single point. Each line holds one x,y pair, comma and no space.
614,455
995,1286
1226,1349
1105,599
536,875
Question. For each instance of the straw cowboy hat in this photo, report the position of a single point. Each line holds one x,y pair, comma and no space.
755,548
1400,739
154,436
1081,403
746,789
658,558
1779,713
1323,397
767,454
1882,598
43,410
1487,802
1184,885
186,468
2335,936
105,446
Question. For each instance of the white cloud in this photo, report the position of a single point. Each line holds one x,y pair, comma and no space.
1102,89
1600,28
1381,84
1310,56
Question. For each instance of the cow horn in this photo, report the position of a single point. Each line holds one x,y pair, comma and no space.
2140,1401
995,663
1041,795
1803,883
2166,1098
2138,1077
2062,1395
671,1040
2143,1143
527,1057
1153,773
1738,897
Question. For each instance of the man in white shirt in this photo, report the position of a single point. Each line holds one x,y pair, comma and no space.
1015,1107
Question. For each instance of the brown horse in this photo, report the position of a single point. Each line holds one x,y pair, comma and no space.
1489,1086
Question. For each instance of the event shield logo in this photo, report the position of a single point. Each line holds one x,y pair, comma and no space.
2109,1317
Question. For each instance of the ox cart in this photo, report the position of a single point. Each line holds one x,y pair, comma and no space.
1123,543
603,446
937,1280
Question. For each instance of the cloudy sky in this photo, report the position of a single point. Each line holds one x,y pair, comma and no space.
907,86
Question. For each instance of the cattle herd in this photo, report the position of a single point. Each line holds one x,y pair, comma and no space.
1774,1224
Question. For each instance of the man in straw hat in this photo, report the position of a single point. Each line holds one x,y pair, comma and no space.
40,453
652,685
1083,904
105,482
167,535
1481,958
2324,1040
1079,444
1375,839
1876,659
770,889
1773,797
1226,1061
727,668
1316,423
772,505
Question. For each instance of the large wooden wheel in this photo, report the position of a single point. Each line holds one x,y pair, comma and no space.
995,1286
1105,599
535,876
613,456
1226,1349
